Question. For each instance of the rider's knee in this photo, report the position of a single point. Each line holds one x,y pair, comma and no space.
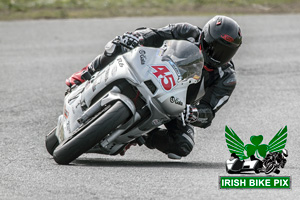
179,143
184,143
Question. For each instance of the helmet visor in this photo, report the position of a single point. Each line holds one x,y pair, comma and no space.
218,52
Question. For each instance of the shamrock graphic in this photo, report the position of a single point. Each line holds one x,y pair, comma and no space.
236,145
255,146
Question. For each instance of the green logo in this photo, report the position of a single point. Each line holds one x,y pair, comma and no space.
237,146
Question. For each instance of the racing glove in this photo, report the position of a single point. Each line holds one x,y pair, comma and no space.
200,115
130,40
191,113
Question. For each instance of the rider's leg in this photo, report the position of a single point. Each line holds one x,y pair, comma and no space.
112,50
177,140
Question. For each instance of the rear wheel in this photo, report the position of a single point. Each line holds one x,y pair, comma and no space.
75,146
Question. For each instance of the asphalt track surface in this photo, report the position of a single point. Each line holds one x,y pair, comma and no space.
36,58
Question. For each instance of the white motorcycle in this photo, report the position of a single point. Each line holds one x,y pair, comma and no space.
137,92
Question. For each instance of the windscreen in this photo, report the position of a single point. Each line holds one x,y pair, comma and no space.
184,57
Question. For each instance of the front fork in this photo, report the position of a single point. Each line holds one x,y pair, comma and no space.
113,95
105,142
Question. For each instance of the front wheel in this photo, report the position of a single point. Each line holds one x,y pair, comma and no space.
75,146
269,168
51,141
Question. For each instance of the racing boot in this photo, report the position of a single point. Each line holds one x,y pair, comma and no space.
76,77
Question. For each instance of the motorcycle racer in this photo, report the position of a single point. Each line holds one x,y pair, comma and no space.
279,159
218,41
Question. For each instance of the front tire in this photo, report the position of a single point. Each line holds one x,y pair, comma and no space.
51,141
269,168
75,146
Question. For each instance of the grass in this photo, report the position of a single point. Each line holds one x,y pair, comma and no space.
37,9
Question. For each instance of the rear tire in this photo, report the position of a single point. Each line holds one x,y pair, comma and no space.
75,146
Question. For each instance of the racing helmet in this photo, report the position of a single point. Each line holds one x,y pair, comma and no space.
220,39
285,152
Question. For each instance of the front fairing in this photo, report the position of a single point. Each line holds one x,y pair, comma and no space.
171,68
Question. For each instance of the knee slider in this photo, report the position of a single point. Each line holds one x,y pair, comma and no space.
184,144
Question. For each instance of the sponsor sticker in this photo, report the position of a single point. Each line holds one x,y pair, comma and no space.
142,56
176,100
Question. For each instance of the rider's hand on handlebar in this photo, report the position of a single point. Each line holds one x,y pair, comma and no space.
191,113
131,40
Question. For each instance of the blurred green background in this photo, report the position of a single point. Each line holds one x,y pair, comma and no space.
38,9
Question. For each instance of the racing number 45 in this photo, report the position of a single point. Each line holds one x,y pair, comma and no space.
165,77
